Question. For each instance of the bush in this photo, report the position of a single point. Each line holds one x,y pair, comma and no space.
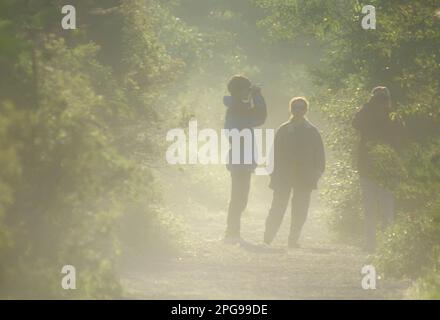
409,248
428,287
67,178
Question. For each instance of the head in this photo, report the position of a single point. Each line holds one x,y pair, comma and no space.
239,87
381,98
298,107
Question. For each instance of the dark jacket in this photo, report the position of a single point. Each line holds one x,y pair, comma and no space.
299,157
240,115
375,127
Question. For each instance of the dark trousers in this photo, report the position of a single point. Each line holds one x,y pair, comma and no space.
300,208
240,186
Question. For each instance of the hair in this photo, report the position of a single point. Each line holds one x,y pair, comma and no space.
380,98
298,102
237,84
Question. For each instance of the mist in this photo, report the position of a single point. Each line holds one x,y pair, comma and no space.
86,181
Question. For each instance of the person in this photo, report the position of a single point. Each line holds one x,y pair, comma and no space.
246,109
299,162
375,126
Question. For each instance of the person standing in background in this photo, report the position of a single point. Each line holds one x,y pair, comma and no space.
375,126
246,109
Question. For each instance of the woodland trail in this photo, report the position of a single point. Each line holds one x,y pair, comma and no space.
210,269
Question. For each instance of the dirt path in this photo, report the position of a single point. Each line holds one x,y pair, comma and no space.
320,269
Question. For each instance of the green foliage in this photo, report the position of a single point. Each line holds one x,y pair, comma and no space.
423,182
411,247
428,287
341,189
342,194
70,180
